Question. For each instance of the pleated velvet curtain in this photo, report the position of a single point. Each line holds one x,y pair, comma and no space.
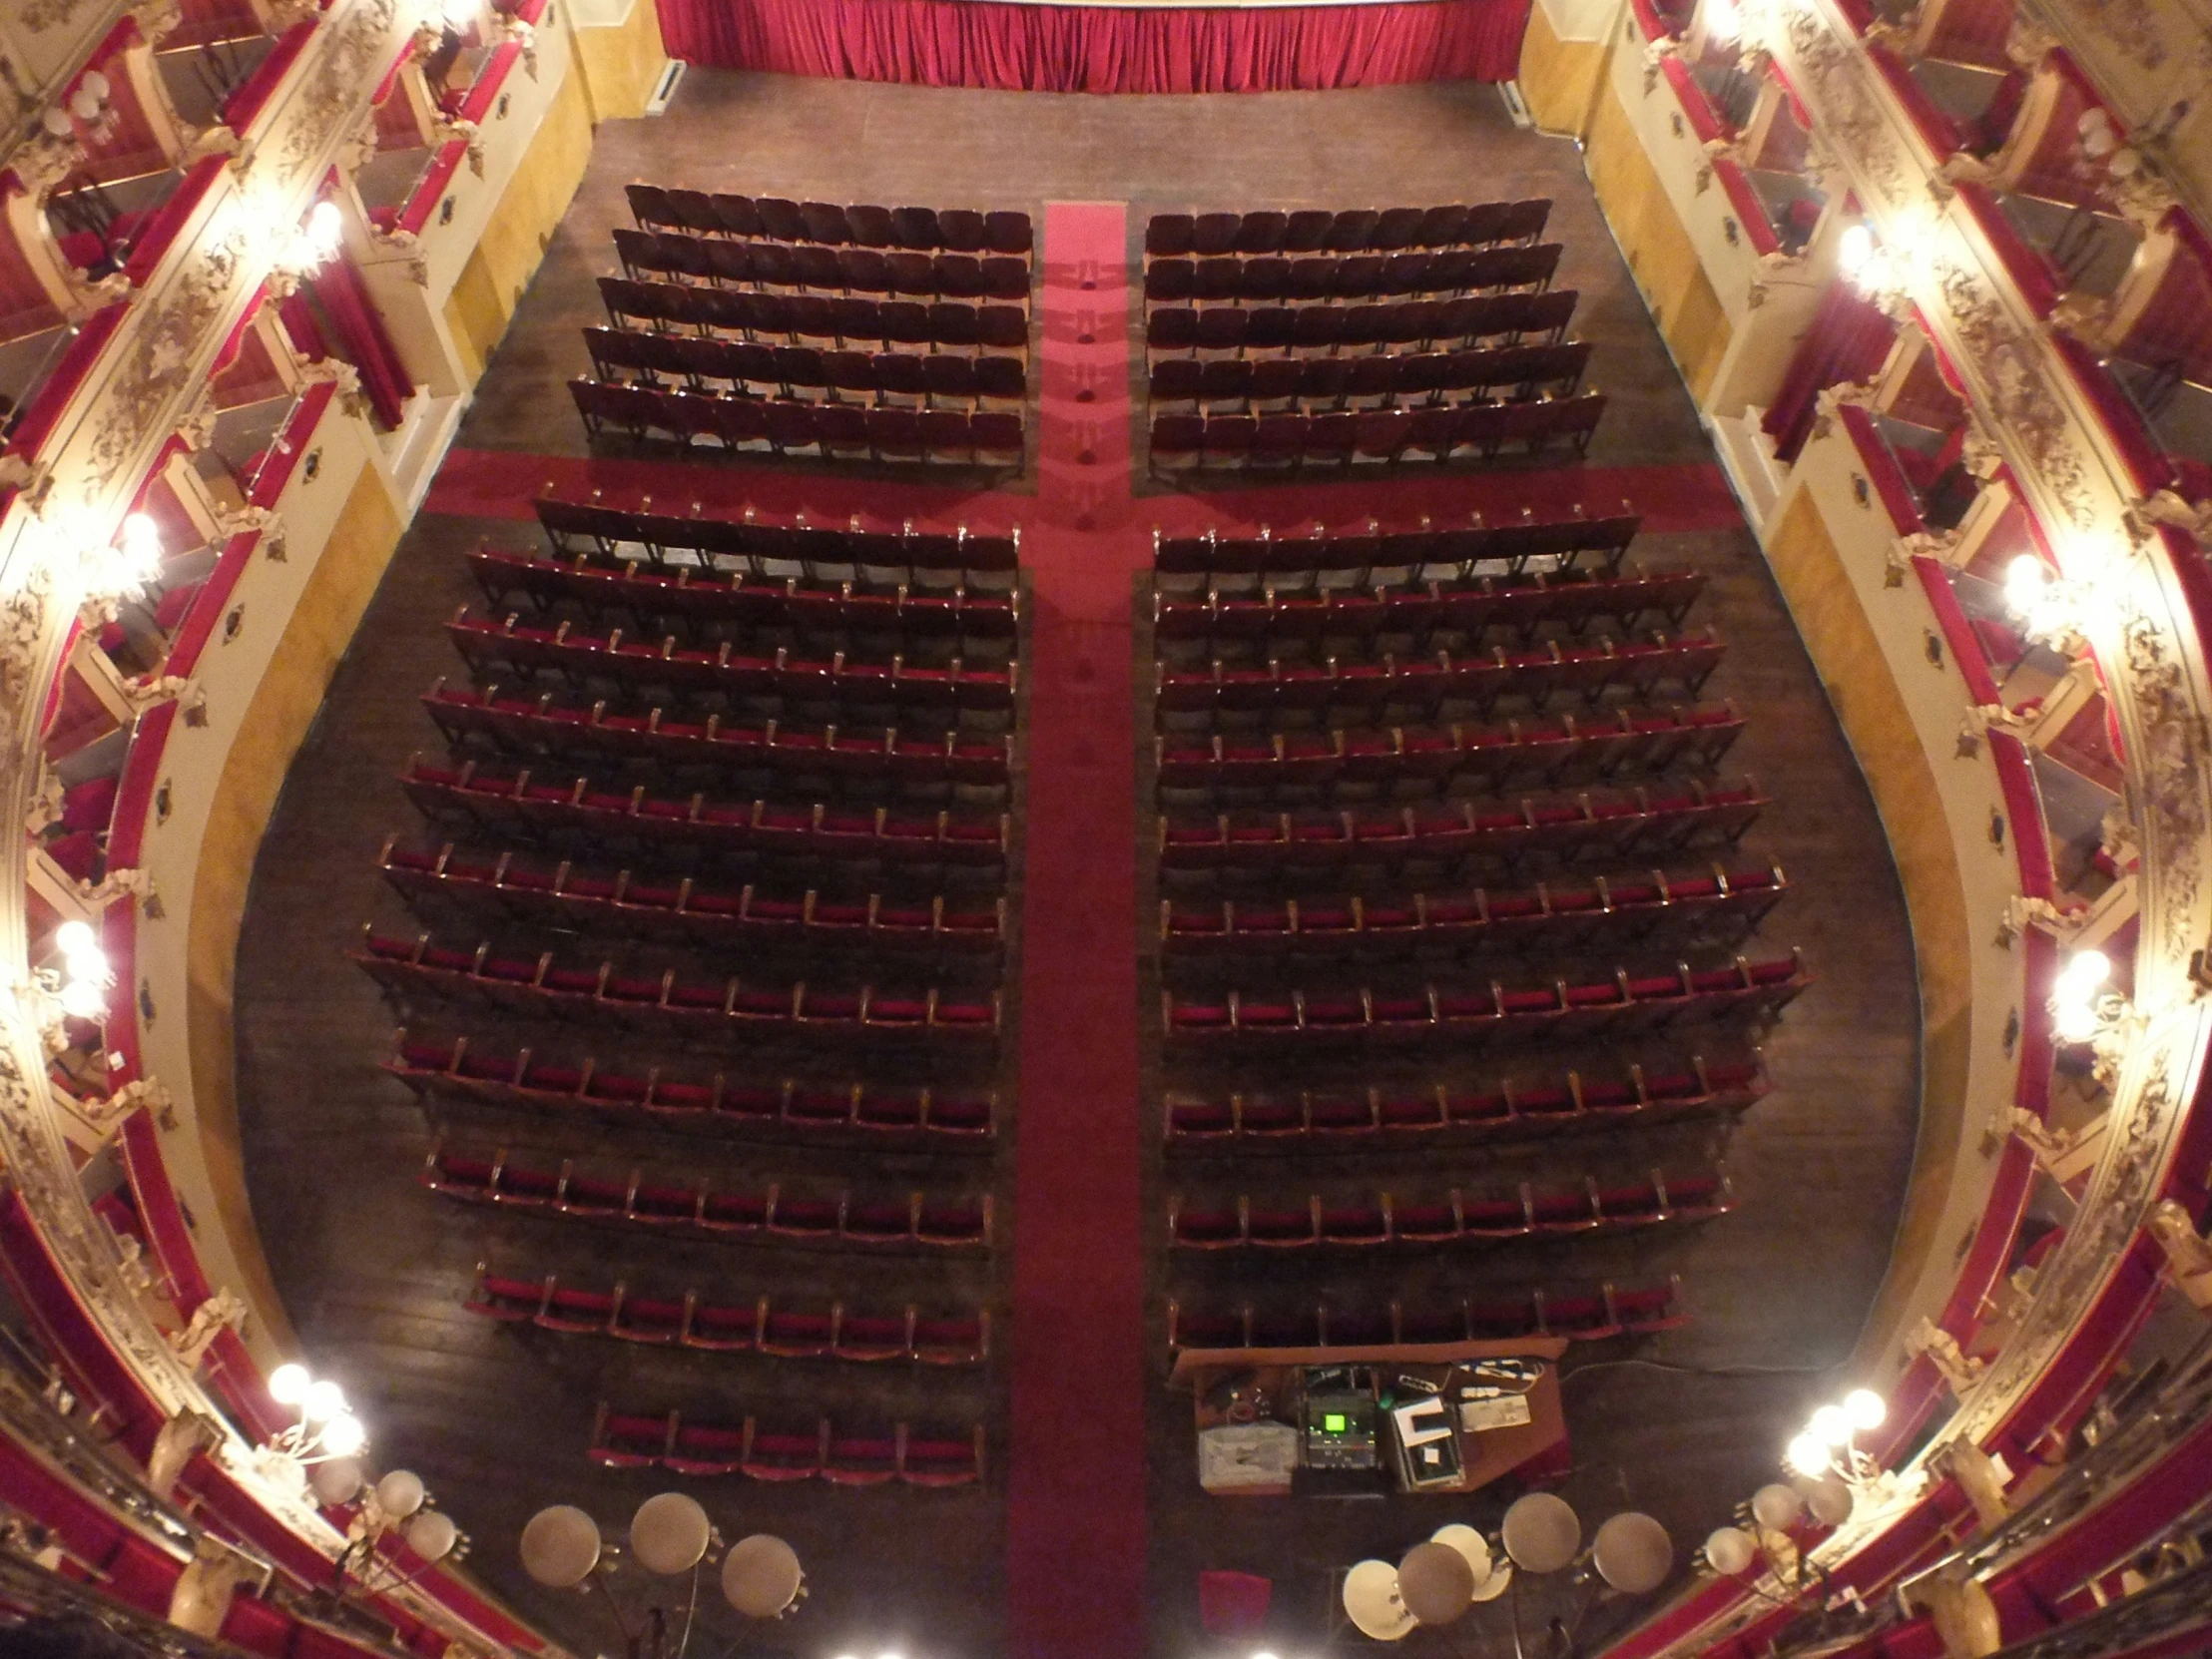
1045,48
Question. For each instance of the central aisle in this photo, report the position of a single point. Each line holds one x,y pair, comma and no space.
1075,1553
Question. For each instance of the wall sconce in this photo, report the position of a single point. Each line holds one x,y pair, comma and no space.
1827,1446
86,112
397,1502
2049,607
310,245
126,568
2085,1009
325,1432
84,980
670,1537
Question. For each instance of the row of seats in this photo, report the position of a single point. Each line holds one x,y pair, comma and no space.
719,212
877,1457
735,367
756,828
1637,1095
792,318
1456,1216
1330,281
576,657
705,597
518,1078
855,273
1518,318
1268,230
1462,1017
541,725
1376,559
1317,384
1388,436
945,563
684,912
1634,667
699,1207
832,431
695,1322
1521,607
1584,1317
539,986
1631,824
1550,915
1490,758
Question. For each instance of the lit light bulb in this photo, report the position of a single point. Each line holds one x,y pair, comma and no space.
89,966
324,1400
1808,1454
2074,1022
1722,22
142,546
1832,1423
83,999
288,1385
2087,970
344,1434
1865,1408
1852,250
74,938
2026,584
322,229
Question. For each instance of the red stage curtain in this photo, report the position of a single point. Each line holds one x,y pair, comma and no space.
1848,339
362,340
1022,48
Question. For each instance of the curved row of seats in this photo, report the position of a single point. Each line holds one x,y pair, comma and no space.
1497,319
739,369
1331,282
1591,1316
786,427
1453,1217
1374,559
1380,380
518,803
714,315
1439,432
1351,230
1639,1094
518,649
681,1096
609,991
684,911
544,725
765,1214
1519,607
1719,905
935,563
854,272
696,1321
873,1457
776,217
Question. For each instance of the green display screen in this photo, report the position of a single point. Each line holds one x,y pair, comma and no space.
1334,1422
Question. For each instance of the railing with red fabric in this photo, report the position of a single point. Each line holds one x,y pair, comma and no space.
2165,315
252,96
2034,274
42,416
1965,646
1883,471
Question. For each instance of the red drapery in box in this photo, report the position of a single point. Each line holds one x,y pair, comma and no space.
1044,48
1848,339
362,340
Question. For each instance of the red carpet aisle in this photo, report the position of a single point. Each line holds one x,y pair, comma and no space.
1076,1523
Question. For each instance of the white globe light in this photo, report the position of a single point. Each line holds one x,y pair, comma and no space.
84,106
669,1534
1829,1500
2074,1022
432,1536
74,938
1832,1423
2087,969
560,1546
400,1494
1731,1550
1808,1453
2024,583
1852,250
1865,1408
1776,1507
99,86
324,1399
344,1435
88,962
323,225
336,1481
83,999
287,1384
760,1576
57,123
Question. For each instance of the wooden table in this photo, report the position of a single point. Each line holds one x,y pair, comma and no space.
1484,1455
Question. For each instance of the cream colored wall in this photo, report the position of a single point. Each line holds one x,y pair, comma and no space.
622,61
1559,69
515,236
